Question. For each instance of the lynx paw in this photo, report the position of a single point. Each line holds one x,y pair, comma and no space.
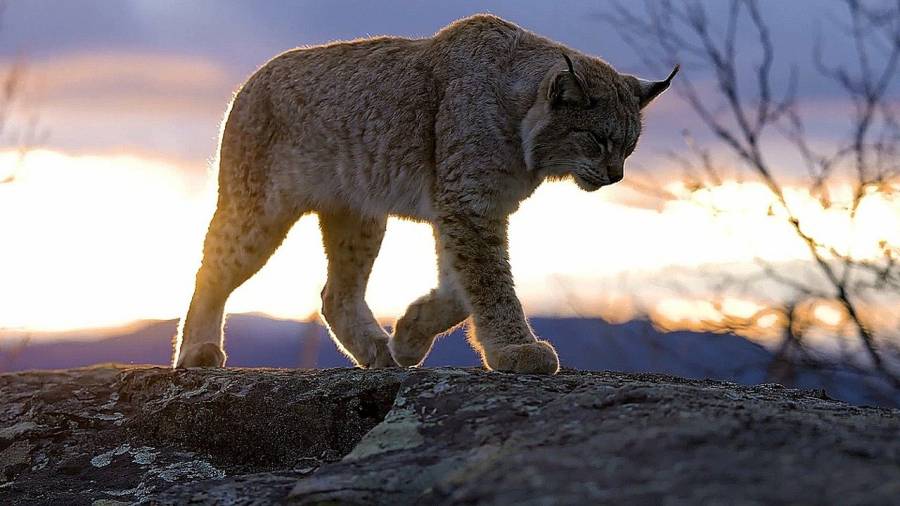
383,358
408,352
531,358
201,355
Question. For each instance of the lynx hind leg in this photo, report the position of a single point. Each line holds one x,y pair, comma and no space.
351,245
239,242
429,316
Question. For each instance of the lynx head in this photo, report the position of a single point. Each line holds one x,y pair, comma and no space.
586,122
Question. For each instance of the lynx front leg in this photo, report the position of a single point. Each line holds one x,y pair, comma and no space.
432,314
477,249
351,244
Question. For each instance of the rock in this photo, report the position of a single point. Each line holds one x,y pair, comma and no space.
127,433
121,435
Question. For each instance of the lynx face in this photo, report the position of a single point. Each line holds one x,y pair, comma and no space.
587,132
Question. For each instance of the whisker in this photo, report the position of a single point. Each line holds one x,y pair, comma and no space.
567,164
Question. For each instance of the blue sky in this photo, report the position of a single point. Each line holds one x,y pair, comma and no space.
130,94
232,38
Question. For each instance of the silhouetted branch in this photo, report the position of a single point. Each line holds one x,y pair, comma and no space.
26,134
739,115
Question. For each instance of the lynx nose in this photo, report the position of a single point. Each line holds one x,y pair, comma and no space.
615,172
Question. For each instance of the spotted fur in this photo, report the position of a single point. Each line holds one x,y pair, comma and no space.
454,130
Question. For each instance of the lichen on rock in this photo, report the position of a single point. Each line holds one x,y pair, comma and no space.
119,435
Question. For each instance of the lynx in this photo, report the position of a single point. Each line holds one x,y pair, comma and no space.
454,130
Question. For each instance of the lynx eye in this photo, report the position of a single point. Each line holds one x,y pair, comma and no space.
602,147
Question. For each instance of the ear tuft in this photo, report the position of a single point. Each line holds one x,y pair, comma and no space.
567,87
648,90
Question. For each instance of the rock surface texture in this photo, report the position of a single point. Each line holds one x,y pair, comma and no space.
119,435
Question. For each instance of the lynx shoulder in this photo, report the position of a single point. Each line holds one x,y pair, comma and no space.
454,130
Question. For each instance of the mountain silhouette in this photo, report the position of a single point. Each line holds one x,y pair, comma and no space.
582,343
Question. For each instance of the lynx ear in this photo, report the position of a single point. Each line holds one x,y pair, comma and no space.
648,90
567,87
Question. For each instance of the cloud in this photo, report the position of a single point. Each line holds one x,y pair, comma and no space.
167,104
111,70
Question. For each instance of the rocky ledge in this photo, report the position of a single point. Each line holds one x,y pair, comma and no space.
116,435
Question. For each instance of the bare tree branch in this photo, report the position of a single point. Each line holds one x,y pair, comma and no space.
740,115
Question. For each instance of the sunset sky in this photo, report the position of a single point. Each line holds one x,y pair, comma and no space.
103,222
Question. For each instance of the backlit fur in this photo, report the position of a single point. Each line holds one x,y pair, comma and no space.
454,130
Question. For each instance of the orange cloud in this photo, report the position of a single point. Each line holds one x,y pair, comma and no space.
93,102
83,73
